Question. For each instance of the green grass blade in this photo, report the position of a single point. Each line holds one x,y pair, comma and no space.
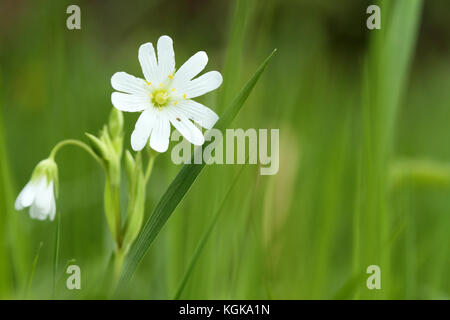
5,205
385,79
347,290
56,252
180,185
33,269
13,258
205,238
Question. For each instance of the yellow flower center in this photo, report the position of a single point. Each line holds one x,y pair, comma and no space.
160,98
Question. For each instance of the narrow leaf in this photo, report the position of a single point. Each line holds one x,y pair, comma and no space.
33,269
56,251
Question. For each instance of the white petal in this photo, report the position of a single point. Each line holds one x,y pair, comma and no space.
201,85
130,102
52,210
198,112
166,57
159,140
186,128
26,196
193,66
147,59
41,205
44,196
142,129
122,81
36,212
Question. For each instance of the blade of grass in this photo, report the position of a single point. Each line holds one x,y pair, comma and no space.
385,78
5,199
33,269
205,238
15,273
56,252
180,185
347,290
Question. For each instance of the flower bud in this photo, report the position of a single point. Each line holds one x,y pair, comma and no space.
39,192
98,146
115,123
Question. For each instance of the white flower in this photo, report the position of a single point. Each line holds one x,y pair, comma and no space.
38,194
164,96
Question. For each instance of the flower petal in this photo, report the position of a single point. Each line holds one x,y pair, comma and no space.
201,85
130,102
44,196
36,212
52,209
142,129
149,65
166,57
122,81
26,196
186,128
198,112
192,67
159,140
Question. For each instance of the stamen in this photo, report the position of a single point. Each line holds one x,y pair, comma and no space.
173,89
184,96
175,103
170,77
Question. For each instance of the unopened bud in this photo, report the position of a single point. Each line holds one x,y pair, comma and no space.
115,123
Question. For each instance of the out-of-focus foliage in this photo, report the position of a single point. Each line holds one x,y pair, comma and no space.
292,235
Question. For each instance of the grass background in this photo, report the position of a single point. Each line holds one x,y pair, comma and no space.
364,155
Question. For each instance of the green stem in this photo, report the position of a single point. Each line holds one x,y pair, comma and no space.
119,258
149,169
77,143
112,211
116,200
33,269
56,253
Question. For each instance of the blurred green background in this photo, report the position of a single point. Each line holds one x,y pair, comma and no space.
364,148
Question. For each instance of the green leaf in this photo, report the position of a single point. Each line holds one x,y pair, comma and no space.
56,251
97,145
33,268
14,257
6,203
349,288
180,185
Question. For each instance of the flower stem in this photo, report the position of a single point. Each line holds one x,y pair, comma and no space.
116,203
77,143
119,258
56,252
148,171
